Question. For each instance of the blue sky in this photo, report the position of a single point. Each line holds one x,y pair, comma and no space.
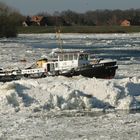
30,7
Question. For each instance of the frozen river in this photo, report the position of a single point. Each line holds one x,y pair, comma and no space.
60,107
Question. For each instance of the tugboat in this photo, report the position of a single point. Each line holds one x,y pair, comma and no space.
76,63
68,64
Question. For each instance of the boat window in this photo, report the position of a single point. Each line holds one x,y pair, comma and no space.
86,56
56,65
65,57
71,57
81,57
75,56
52,65
60,57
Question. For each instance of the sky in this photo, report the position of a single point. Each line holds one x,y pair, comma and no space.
31,7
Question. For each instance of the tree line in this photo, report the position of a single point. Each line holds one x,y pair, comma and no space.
93,18
10,18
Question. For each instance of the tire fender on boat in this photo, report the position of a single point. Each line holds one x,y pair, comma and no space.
72,71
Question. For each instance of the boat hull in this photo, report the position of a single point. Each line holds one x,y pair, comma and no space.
8,78
103,69
97,71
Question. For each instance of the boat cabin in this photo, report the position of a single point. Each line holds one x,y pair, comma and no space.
65,61
72,59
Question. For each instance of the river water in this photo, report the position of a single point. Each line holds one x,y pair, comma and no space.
39,109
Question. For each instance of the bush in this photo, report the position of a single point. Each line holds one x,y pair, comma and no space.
7,27
9,20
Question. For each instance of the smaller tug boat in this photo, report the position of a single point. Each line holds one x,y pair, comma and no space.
72,63
78,63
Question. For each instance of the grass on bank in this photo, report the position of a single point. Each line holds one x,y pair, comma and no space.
79,29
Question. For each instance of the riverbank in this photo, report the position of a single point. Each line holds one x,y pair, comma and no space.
79,29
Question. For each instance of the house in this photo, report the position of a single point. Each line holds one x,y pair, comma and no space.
125,23
38,20
35,20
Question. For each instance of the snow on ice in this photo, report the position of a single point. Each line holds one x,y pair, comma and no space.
69,93
38,108
77,93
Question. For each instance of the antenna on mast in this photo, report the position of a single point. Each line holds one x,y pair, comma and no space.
60,41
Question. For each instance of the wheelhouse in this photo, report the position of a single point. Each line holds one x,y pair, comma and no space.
72,59
64,61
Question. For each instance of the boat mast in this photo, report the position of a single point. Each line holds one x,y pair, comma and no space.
60,41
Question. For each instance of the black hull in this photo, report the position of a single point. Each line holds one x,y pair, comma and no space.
100,72
97,71
9,78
